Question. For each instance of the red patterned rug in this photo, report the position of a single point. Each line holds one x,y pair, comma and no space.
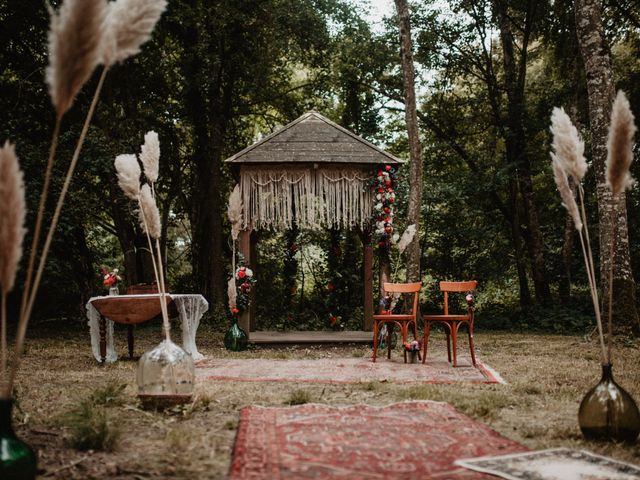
409,440
344,370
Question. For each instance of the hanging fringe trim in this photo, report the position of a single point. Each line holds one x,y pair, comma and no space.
311,198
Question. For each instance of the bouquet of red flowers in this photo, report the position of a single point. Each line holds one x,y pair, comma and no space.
413,346
110,278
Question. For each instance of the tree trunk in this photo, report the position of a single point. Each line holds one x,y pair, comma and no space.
516,145
415,149
612,220
204,102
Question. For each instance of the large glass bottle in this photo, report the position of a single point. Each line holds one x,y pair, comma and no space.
17,459
165,376
236,338
608,412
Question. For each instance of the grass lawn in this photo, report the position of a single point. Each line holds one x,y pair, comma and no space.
547,377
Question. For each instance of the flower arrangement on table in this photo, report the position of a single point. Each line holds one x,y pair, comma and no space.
110,278
385,196
412,346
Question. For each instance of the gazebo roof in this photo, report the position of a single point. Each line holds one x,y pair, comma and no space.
311,139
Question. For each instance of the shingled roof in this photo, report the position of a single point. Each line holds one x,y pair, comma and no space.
313,138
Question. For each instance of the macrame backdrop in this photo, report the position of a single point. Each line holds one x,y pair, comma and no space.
275,197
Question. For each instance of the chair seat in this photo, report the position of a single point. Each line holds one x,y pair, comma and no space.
445,318
394,317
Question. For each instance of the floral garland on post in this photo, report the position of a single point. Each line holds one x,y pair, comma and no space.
244,281
385,196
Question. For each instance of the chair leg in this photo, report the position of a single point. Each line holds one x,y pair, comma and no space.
473,353
454,338
448,333
390,329
427,328
375,340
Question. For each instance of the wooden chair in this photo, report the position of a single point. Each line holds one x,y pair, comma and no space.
408,318
452,322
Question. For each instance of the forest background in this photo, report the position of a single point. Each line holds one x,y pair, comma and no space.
219,75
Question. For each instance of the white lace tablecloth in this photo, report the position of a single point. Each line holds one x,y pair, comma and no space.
190,308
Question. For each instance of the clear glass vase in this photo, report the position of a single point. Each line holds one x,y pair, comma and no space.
166,376
114,290
607,412
17,459
236,338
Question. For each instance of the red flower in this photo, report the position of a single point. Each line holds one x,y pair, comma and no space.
387,209
379,173
242,273
382,244
332,319
330,286
381,190
391,200
235,310
387,168
245,287
388,229
388,183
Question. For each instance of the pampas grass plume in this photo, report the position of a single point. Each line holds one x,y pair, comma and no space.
234,212
568,199
620,145
151,222
567,144
129,25
232,292
75,46
406,238
12,215
150,156
128,171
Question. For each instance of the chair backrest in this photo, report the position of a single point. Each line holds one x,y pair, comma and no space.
410,288
455,287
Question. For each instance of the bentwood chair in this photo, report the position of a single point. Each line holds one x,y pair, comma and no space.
408,317
452,322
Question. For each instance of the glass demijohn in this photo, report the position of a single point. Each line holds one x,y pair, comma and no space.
165,376
236,338
608,412
17,459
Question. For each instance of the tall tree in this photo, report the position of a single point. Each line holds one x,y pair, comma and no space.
415,147
612,216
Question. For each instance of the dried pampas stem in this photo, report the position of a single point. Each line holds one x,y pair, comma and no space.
129,25
568,147
150,156
620,145
26,313
75,46
128,171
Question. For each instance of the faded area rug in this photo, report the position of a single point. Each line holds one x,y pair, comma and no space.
401,441
554,464
344,370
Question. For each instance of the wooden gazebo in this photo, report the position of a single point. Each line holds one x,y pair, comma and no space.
312,173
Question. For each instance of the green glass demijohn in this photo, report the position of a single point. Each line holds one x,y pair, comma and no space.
236,338
17,459
608,413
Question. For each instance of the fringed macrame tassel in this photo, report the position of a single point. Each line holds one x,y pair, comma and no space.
278,199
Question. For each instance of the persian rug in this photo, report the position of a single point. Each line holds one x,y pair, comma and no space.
399,441
554,464
344,370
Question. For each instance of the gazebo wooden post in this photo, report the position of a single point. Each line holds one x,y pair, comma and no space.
247,247
367,276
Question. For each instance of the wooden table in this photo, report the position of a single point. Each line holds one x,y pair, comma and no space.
133,309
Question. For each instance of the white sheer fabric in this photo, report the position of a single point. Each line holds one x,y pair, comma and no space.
190,308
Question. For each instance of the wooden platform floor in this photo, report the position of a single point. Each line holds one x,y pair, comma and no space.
302,337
